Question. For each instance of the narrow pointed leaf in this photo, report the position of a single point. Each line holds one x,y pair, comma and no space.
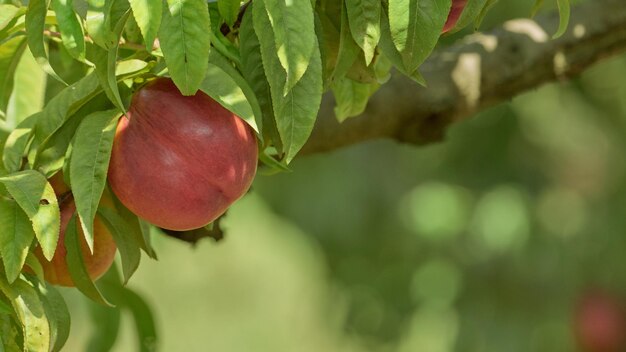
30,312
105,60
415,28
28,90
7,13
35,25
293,28
364,19
76,265
138,228
229,10
127,245
108,321
57,313
224,84
15,146
144,319
252,69
35,196
52,154
147,14
185,42
64,104
126,298
351,97
72,33
348,48
469,14
295,112
564,13
33,263
89,165
16,235
10,54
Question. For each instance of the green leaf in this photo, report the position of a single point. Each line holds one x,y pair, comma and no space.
351,97
146,235
483,12
102,18
72,34
33,263
364,20
471,11
5,309
229,10
415,28
35,25
107,320
97,26
389,50
138,228
399,19
35,196
30,312
224,84
147,14
52,153
348,48
130,68
64,105
538,4
56,312
128,299
76,265
91,153
16,235
105,59
8,13
185,42
564,13
341,50
15,146
127,245
28,90
293,28
11,330
296,112
273,166
252,70
10,54
144,319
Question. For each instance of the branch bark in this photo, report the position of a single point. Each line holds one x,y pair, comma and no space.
479,71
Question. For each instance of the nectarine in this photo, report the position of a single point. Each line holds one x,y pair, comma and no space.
180,161
56,271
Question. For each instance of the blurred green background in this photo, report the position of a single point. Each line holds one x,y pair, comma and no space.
480,243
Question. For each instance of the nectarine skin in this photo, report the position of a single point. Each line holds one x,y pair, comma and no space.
455,13
180,161
56,271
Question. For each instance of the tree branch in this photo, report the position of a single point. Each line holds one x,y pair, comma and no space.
479,71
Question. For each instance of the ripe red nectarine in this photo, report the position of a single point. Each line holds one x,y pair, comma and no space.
180,161
56,271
